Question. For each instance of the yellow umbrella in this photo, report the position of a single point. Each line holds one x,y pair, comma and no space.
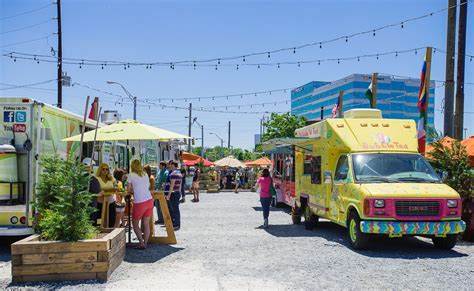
230,161
128,130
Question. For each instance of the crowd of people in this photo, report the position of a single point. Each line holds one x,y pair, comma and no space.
139,184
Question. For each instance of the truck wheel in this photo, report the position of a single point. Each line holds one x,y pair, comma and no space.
295,216
310,220
358,239
445,243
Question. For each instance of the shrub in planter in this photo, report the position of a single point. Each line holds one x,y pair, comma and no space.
63,201
67,246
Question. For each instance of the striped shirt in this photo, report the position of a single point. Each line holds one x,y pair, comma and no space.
178,180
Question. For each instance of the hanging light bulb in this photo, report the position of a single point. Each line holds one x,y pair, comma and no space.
347,39
268,54
299,64
216,67
358,59
319,62
294,50
396,54
278,65
237,66
401,25
320,45
218,61
243,58
258,66
377,56
416,52
373,33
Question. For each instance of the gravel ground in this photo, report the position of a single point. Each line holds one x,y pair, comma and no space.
221,246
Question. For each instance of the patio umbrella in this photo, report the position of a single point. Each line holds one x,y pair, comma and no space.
445,141
128,130
185,156
262,162
205,162
229,161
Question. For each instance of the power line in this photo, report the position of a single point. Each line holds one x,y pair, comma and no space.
26,27
27,12
27,85
26,41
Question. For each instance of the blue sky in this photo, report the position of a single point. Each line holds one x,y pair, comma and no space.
146,31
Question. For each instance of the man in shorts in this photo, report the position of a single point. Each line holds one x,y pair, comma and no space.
195,185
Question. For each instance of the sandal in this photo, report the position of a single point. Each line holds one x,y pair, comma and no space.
140,247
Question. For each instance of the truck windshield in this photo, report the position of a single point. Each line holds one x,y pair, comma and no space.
393,168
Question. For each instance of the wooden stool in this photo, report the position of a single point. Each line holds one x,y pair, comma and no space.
170,239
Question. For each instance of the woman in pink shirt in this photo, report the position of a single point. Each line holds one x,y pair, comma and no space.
265,181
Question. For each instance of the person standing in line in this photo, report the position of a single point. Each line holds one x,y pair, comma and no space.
265,182
195,184
94,188
106,182
120,201
173,193
160,186
139,185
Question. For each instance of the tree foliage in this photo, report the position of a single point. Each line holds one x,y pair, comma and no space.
63,201
455,161
282,125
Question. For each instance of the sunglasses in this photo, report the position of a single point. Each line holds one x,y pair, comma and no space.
107,169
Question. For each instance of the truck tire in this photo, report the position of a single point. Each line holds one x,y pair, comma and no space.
295,216
358,239
310,220
445,243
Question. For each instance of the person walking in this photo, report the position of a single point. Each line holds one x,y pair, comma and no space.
237,180
173,193
160,186
106,182
265,182
183,190
195,184
139,185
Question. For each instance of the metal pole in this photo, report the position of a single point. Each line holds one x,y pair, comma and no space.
60,57
228,141
374,89
83,128
190,122
322,113
202,141
459,115
222,148
135,108
449,85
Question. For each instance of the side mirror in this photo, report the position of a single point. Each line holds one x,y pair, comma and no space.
444,176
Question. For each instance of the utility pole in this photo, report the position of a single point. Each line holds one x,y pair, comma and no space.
190,122
374,89
449,85
60,58
339,111
202,141
459,115
228,138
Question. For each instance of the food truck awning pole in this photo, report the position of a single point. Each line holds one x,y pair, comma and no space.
83,127
95,134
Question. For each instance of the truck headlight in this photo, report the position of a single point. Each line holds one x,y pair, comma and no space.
379,203
452,203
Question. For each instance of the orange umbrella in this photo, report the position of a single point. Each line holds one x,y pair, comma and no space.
262,162
189,156
469,144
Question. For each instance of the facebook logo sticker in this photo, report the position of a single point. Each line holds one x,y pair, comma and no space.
8,116
20,116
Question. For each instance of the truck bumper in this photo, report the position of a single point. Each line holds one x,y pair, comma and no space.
413,227
16,231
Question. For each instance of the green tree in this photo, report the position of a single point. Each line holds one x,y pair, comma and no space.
455,161
282,125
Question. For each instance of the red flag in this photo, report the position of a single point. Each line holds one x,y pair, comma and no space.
93,112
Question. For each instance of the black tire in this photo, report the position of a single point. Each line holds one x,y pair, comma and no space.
310,220
295,216
445,243
358,239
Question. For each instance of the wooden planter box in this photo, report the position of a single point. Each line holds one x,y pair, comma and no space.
35,260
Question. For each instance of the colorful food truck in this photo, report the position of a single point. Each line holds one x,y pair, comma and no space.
29,131
364,172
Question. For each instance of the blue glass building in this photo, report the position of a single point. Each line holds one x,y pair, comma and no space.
396,97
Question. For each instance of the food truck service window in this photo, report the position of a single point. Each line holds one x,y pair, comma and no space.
316,170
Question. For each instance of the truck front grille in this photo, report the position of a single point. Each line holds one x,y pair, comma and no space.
417,208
